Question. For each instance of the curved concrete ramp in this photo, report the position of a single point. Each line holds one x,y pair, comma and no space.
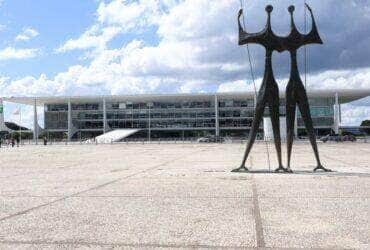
115,135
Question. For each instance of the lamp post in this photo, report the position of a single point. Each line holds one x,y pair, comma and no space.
20,126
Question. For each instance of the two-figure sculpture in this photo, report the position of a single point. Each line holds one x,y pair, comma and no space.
268,94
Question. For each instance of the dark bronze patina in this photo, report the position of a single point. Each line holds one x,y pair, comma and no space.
295,91
269,93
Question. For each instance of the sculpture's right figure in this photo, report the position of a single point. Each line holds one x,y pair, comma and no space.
295,90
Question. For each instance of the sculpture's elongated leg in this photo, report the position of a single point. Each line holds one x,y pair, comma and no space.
290,107
260,107
275,122
306,116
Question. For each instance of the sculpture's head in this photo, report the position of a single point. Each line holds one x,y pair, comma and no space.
269,8
291,10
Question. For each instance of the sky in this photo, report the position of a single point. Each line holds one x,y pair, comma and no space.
103,47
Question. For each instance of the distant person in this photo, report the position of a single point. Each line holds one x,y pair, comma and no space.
45,141
13,142
18,140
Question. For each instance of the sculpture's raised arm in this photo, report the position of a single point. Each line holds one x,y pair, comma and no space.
313,36
266,37
245,37
295,39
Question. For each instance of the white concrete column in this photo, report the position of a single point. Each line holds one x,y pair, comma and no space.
150,105
336,114
69,120
35,125
2,121
217,123
268,131
104,116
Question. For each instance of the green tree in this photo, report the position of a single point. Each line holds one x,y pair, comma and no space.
43,134
365,123
26,135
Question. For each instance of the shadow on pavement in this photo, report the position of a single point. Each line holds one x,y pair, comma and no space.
310,172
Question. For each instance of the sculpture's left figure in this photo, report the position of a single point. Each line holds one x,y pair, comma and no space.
268,94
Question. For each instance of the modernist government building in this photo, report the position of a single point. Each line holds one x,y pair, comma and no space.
176,115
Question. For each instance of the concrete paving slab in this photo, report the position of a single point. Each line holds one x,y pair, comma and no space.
309,185
316,223
136,221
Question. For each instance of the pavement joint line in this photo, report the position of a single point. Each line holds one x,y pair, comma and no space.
167,197
138,245
55,201
257,217
256,212
91,189
191,197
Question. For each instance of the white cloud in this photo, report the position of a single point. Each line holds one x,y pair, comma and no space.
13,53
239,85
331,79
195,52
27,34
341,79
119,12
133,15
353,115
93,38
117,17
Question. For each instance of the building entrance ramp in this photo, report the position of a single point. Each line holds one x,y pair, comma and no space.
115,135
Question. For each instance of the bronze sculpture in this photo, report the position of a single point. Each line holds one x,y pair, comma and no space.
295,91
269,93
269,90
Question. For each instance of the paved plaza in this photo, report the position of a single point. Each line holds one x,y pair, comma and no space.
182,196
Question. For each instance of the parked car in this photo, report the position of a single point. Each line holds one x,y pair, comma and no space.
338,138
211,139
349,138
327,138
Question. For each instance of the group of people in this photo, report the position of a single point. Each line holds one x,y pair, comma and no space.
10,142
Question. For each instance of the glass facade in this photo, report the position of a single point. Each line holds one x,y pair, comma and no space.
233,114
